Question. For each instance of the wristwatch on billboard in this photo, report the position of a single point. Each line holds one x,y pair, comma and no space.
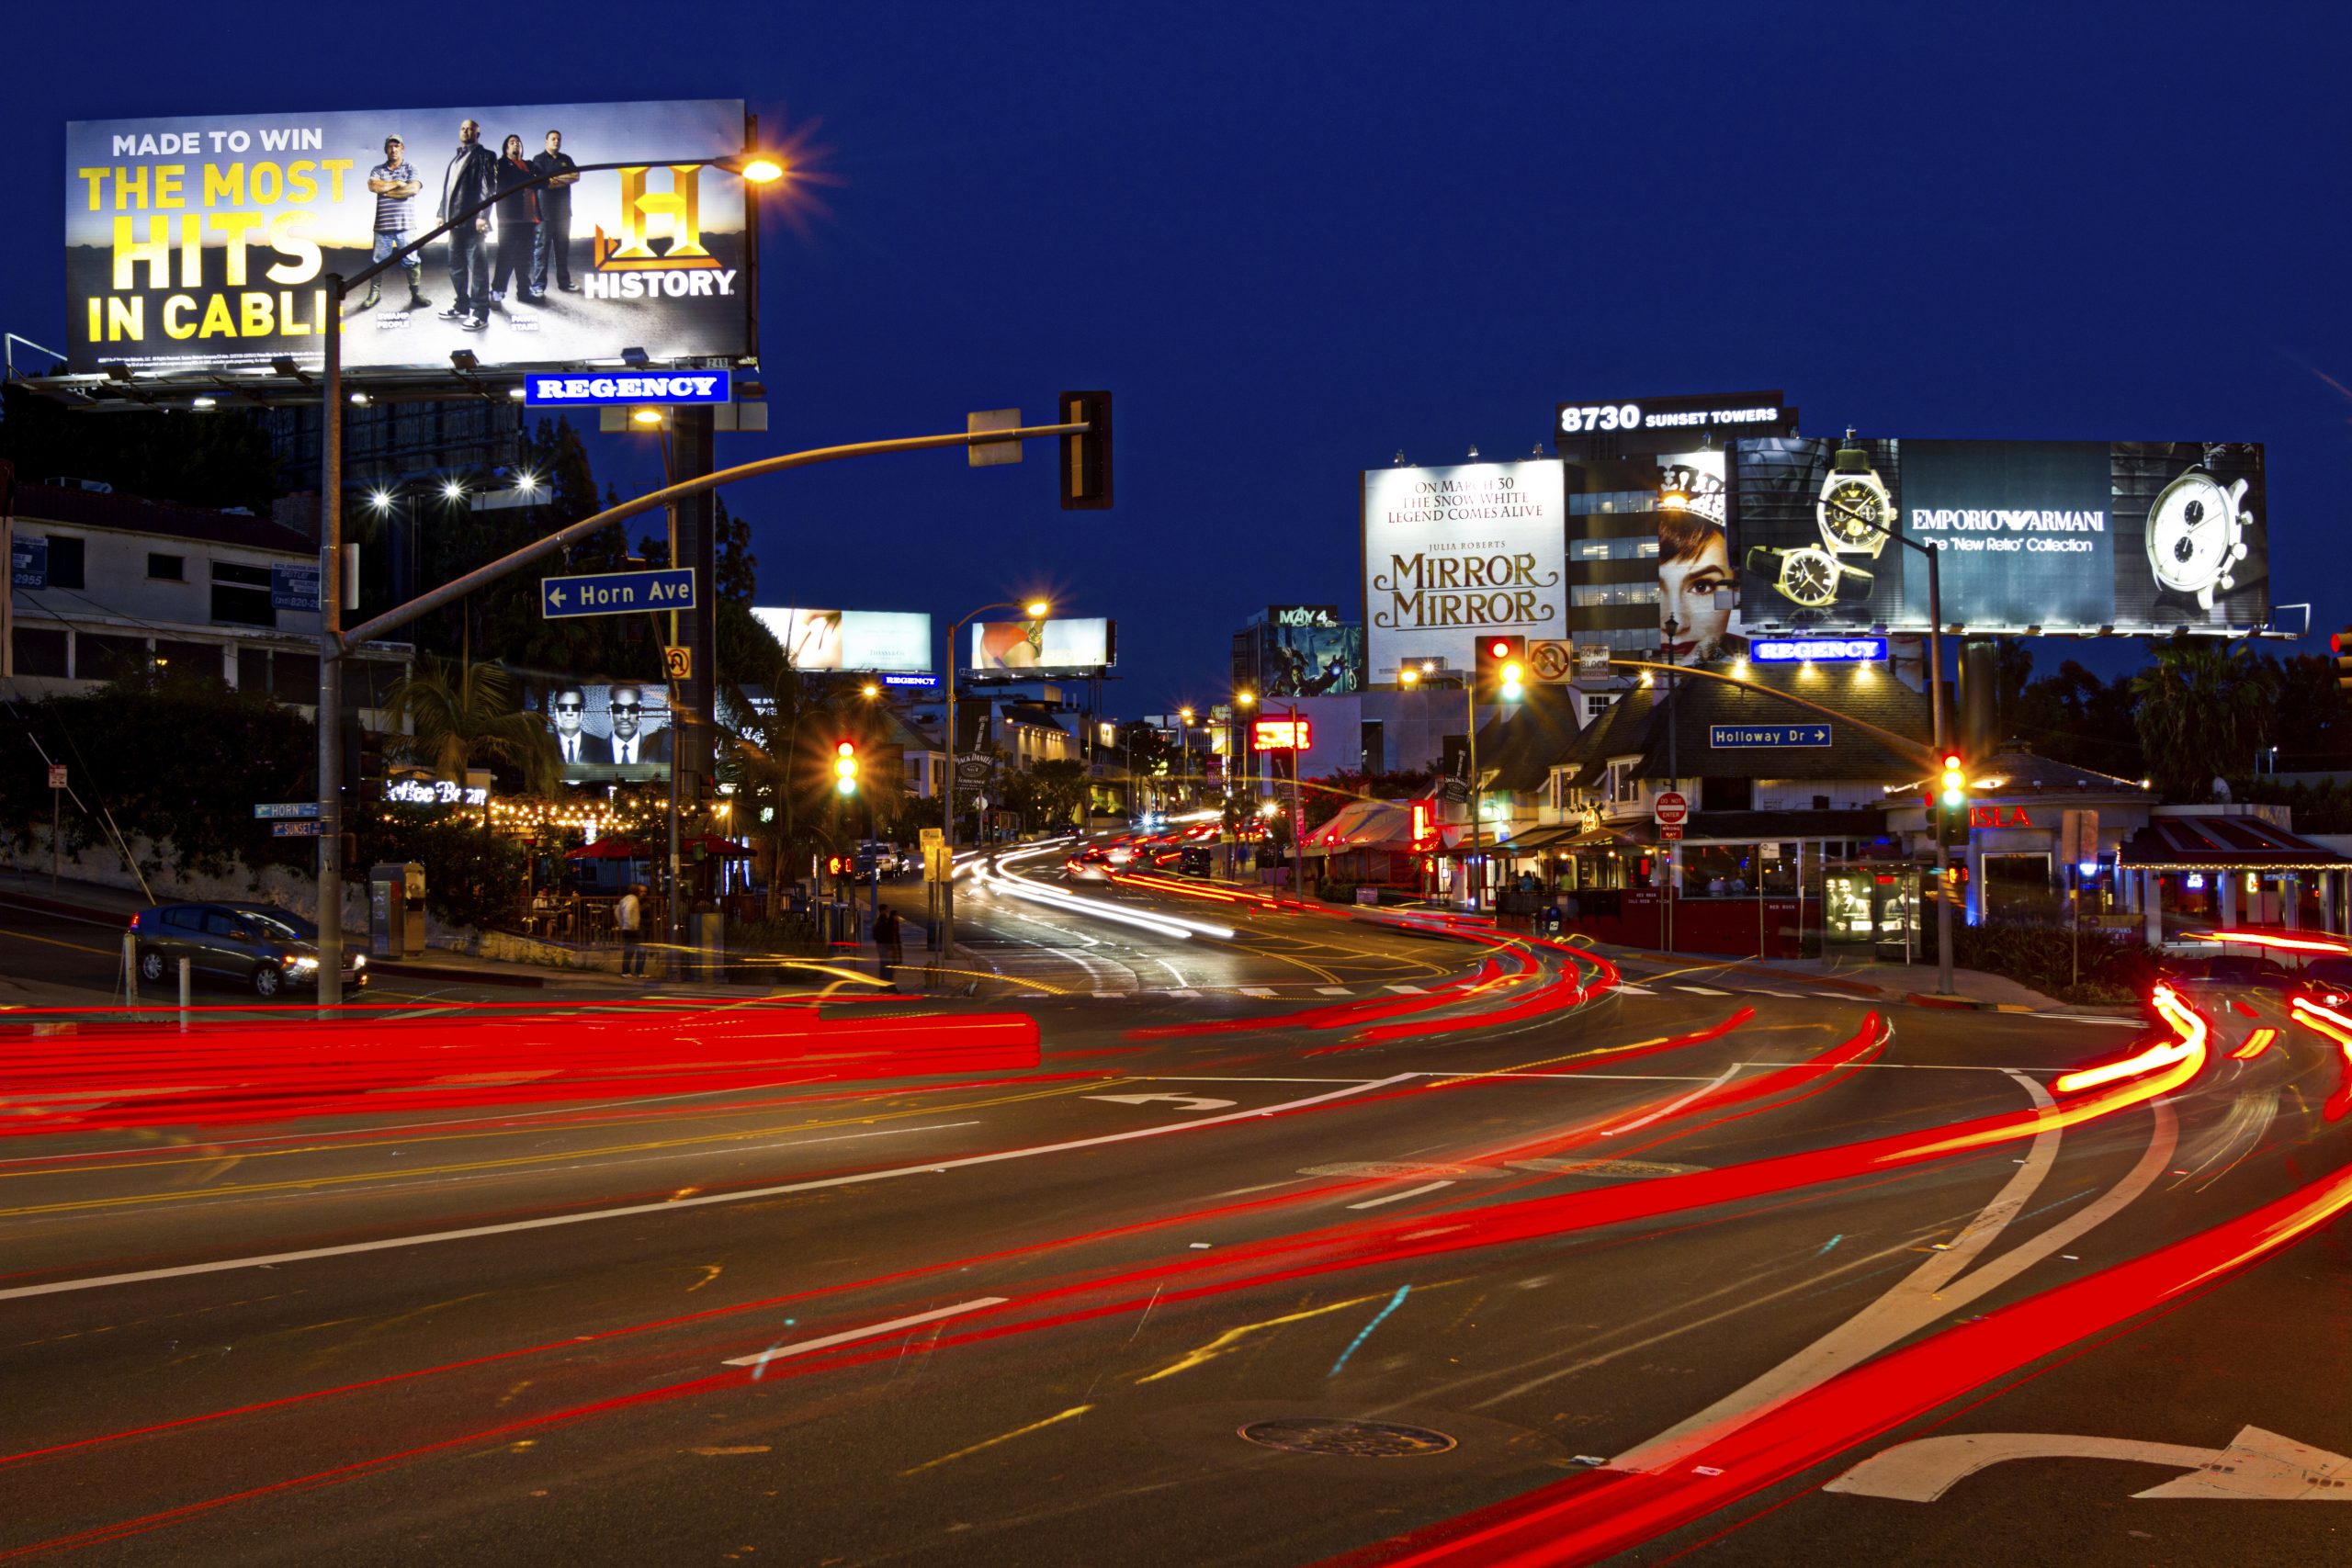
2197,536
1808,577
1855,504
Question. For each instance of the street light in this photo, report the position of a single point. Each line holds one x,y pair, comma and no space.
1037,610
759,168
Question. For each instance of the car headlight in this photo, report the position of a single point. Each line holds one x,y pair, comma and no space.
301,964
359,961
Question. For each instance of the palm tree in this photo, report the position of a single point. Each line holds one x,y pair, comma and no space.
461,716
2202,710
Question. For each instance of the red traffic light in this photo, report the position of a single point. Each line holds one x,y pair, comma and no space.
1952,760
1499,648
846,749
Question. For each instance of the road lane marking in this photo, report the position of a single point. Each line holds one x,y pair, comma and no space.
871,1331
750,1194
1400,1197
1672,1106
1627,988
1702,990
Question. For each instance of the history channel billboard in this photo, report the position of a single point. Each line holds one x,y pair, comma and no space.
1454,552
199,244
1310,652
885,641
2130,537
1078,645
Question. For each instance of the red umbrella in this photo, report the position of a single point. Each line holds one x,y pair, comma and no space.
608,849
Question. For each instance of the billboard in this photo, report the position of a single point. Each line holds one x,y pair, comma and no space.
2134,538
1076,645
198,244
1698,585
889,641
1310,652
606,732
1449,553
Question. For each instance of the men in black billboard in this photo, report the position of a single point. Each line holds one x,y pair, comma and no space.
555,217
396,186
567,706
518,224
470,179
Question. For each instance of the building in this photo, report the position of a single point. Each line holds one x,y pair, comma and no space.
387,444
104,585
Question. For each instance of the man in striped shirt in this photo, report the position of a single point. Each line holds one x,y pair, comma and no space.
396,185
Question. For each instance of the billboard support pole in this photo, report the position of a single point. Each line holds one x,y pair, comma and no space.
330,709
1936,709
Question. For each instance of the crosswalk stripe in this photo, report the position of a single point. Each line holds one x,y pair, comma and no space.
1257,990
1632,990
1181,992
1334,991
1702,991
1409,990
1768,991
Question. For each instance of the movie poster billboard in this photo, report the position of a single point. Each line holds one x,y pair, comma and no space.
1077,646
199,244
606,732
2135,537
883,641
1453,552
1310,652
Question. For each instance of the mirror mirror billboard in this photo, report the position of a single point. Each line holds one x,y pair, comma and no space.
1043,645
1309,651
2128,537
199,244
886,642
1452,552
606,732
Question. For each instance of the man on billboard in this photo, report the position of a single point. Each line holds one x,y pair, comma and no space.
470,180
630,744
518,224
396,186
555,217
567,706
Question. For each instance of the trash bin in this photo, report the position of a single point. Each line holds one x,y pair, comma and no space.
707,929
395,910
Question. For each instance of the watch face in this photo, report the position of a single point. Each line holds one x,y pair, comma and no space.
2195,534
1849,507
1809,578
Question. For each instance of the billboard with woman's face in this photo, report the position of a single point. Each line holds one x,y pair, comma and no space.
1698,587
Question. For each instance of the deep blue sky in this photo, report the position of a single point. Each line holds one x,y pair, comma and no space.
1295,239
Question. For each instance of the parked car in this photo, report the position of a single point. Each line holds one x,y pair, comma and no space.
257,945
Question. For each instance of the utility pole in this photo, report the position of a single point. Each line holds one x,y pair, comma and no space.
330,708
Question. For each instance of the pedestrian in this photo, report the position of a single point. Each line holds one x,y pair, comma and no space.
889,949
396,185
630,915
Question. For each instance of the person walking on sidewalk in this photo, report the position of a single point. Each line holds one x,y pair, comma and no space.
889,949
630,915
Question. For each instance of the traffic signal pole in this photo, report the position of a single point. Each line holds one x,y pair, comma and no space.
1936,711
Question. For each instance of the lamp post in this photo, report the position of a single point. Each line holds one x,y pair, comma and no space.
1411,678
1037,610
757,168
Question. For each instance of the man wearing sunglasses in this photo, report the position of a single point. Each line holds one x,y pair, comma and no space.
630,744
567,706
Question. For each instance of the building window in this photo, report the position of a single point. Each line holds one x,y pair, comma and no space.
241,595
1584,595
65,558
1726,795
184,659
40,650
97,657
1633,546
1612,501
167,569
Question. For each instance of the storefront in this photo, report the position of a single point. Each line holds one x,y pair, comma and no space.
2216,867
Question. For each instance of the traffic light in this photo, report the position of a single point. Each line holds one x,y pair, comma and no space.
1086,455
839,866
2340,645
1952,804
845,766
1501,669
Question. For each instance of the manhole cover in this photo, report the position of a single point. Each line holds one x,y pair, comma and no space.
1349,1440
1381,1167
1623,1169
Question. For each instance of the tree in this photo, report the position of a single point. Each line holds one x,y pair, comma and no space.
2073,716
1056,790
2204,709
217,459
465,715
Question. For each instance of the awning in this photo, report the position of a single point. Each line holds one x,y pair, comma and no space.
2223,843
608,849
1542,839
1362,825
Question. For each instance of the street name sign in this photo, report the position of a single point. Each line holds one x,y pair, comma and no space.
1731,736
298,830
284,809
616,592
57,775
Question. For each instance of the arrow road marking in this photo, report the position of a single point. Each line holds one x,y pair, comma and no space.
1181,1101
2256,1465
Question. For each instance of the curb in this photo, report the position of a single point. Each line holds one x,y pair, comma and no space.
466,976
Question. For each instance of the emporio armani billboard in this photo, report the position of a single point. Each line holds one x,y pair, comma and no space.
201,243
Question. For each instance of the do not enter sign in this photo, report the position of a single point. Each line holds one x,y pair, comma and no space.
1671,809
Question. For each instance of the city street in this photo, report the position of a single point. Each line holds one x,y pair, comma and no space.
1466,1248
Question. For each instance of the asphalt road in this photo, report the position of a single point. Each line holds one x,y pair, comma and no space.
1471,1252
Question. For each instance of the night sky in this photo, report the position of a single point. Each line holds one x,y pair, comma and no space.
1296,240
